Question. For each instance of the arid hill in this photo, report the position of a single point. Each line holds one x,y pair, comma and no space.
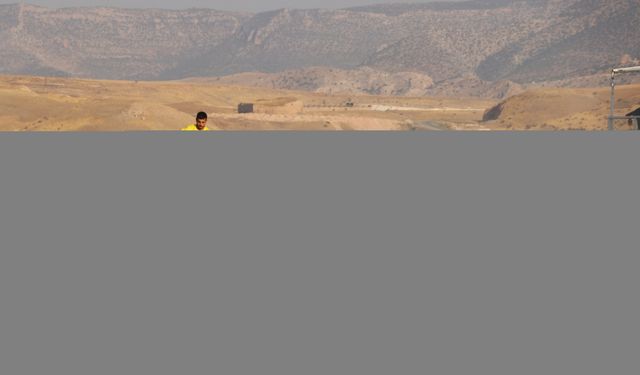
361,81
106,42
563,109
466,48
370,81
587,37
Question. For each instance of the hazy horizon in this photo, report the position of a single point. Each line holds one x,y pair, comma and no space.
238,5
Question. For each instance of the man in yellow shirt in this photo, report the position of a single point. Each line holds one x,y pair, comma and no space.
200,125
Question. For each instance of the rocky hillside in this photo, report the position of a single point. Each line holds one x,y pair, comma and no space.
587,37
107,43
470,47
361,81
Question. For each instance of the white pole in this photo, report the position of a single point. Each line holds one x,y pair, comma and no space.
632,69
613,99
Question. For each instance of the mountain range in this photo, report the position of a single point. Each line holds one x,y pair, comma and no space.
492,45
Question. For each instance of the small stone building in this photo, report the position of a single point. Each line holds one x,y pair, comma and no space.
635,121
245,108
284,105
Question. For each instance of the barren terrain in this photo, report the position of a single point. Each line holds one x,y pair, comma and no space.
68,104
563,109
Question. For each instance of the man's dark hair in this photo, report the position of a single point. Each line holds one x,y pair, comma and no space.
201,116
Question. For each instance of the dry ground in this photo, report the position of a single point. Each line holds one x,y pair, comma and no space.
57,104
565,109
60,104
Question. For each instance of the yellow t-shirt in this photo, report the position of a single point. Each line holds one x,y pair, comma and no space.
193,128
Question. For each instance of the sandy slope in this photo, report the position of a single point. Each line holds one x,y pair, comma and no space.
56,104
565,109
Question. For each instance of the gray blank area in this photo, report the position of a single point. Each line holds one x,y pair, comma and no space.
296,254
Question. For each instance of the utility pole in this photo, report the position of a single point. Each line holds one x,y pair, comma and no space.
633,69
613,99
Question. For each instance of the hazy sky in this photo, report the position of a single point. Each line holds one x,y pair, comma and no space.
244,5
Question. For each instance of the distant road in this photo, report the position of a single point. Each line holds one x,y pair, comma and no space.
436,126
429,125
384,108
